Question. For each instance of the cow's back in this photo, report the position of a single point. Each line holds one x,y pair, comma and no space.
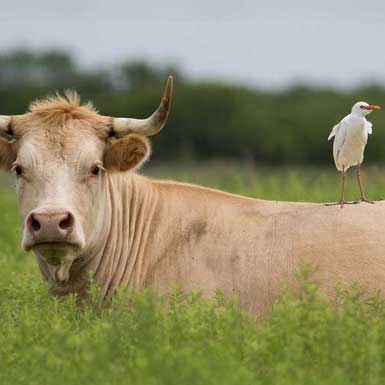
251,249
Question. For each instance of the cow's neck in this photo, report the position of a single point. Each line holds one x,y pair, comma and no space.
116,254
128,222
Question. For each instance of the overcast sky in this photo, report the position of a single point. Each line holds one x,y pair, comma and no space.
262,43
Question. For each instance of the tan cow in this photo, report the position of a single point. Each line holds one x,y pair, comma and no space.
86,209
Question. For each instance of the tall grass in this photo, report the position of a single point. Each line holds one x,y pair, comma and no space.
291,183
182,338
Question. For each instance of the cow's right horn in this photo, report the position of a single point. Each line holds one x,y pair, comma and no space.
149,126
5,123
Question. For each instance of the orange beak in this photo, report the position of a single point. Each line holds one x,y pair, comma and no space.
372,107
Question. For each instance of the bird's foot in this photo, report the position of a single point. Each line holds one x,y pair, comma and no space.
363,199
340,203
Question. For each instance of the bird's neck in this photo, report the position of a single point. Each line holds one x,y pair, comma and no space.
357,115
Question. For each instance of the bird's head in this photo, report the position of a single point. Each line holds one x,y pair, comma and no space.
363,108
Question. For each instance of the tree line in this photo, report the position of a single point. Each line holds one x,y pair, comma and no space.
208,119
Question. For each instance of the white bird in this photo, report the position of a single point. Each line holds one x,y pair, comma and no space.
350,138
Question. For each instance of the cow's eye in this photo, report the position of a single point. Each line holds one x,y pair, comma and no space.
17,169
95,170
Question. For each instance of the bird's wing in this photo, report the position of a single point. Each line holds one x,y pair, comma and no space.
339,141
369,127
334,131
336,128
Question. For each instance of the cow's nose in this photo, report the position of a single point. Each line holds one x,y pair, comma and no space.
50,226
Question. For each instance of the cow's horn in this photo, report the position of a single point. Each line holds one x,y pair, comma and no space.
5,122
149,126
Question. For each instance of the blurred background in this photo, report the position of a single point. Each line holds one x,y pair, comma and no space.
258,85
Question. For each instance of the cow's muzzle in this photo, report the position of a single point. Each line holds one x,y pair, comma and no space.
48,230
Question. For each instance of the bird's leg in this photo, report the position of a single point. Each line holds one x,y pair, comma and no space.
358,172
342,199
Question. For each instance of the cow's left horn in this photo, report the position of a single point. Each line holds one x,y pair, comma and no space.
149,126
5,122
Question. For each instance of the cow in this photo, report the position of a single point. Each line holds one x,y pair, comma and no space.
86,211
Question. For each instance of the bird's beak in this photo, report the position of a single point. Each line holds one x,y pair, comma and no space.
372,107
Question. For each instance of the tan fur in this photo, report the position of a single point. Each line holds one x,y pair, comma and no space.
61,113
144,233
58,103
164,235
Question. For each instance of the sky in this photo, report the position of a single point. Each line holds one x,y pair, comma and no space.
268,44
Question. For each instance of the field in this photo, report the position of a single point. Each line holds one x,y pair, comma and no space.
308,339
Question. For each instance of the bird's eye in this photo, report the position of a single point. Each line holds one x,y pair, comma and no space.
362,106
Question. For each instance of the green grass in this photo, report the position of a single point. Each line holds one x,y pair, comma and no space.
184,339
291,183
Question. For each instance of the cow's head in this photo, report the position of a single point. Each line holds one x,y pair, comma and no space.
61,153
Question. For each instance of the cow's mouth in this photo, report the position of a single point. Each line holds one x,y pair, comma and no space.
54,252
56,244
58,257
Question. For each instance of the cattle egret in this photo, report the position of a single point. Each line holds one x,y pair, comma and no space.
350,138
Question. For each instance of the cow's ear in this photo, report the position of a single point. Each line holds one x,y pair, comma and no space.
7,154
127,153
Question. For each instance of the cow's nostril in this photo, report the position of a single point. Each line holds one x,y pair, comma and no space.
35,224
67,222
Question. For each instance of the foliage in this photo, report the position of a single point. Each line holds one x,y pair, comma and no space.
308,340
208,119
291,183
182,338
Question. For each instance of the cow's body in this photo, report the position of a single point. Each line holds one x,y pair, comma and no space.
166,234
85,209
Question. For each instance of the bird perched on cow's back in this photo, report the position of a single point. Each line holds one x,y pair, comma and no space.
350,138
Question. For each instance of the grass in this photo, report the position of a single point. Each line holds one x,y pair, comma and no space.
184,339
291,183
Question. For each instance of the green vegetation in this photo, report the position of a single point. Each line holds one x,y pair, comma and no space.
291,183
183,339
208,119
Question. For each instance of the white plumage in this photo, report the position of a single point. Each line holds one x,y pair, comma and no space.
350,138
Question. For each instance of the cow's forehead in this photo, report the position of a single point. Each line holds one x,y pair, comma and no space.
60,129
37,148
